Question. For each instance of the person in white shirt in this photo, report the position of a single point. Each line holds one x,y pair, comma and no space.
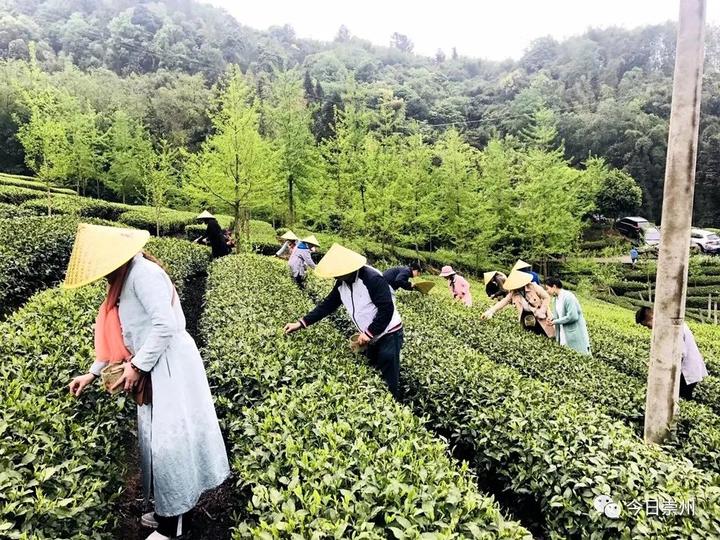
692,368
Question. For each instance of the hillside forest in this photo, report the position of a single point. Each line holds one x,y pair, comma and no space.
175,103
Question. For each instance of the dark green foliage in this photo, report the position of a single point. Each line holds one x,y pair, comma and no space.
33,255
30,183
11,211
172,222
18,195
78,206
35,251
62,460
323,448
539,440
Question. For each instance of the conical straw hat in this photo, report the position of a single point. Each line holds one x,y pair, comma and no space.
99,250
488,276
339,261
205,215
517,280
424,286
520,264
311,240
289,235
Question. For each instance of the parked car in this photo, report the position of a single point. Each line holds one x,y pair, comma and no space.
639,228
706,241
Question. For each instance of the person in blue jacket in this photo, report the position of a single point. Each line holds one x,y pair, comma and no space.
398,277
522,266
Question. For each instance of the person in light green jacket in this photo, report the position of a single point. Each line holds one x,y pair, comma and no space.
568,318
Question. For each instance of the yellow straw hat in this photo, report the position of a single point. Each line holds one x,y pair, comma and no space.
311,240
488,276
424,286
339,261
289,235
99,250
517,280
205,215
520,264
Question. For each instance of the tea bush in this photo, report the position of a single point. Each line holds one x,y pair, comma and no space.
62,460
29,183
35,250
12,211
315,435
172,222
534,439
79,206
588,380
18,195
33,255
537,440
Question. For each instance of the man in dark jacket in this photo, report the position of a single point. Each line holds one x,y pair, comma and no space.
398,277
370,304
214,235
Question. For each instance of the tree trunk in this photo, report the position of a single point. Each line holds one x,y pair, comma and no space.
49,199
291,200
236,225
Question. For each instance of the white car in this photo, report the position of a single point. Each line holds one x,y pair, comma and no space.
706,241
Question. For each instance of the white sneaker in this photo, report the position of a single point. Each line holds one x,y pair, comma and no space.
148,520
157,536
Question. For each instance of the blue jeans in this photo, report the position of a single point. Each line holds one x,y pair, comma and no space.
384,355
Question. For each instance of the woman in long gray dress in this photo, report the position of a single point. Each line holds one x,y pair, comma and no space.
141,327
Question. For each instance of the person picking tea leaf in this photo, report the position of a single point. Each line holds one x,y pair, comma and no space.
370,303
141,326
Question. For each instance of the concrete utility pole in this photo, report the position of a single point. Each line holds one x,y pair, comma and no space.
672,267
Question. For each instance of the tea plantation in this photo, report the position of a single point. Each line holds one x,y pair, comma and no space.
498,434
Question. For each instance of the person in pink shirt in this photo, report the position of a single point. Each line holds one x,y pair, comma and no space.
459,287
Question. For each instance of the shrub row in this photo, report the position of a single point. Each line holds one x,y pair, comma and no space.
12,211
712,277
588,380
35,251
62,460
171,221
28,183
315,436
628,354
18,195
78,206
535,440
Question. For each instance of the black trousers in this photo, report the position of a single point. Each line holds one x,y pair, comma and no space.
686,390
170,526
384,355
300,281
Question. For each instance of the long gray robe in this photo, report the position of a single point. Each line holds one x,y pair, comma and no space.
181,448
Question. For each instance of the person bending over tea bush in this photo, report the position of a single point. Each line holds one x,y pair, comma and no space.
369,301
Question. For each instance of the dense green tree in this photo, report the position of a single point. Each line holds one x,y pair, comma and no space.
234,168
128,152
290,120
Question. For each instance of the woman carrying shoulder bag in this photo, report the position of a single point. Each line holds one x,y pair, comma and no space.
531,301
142,348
